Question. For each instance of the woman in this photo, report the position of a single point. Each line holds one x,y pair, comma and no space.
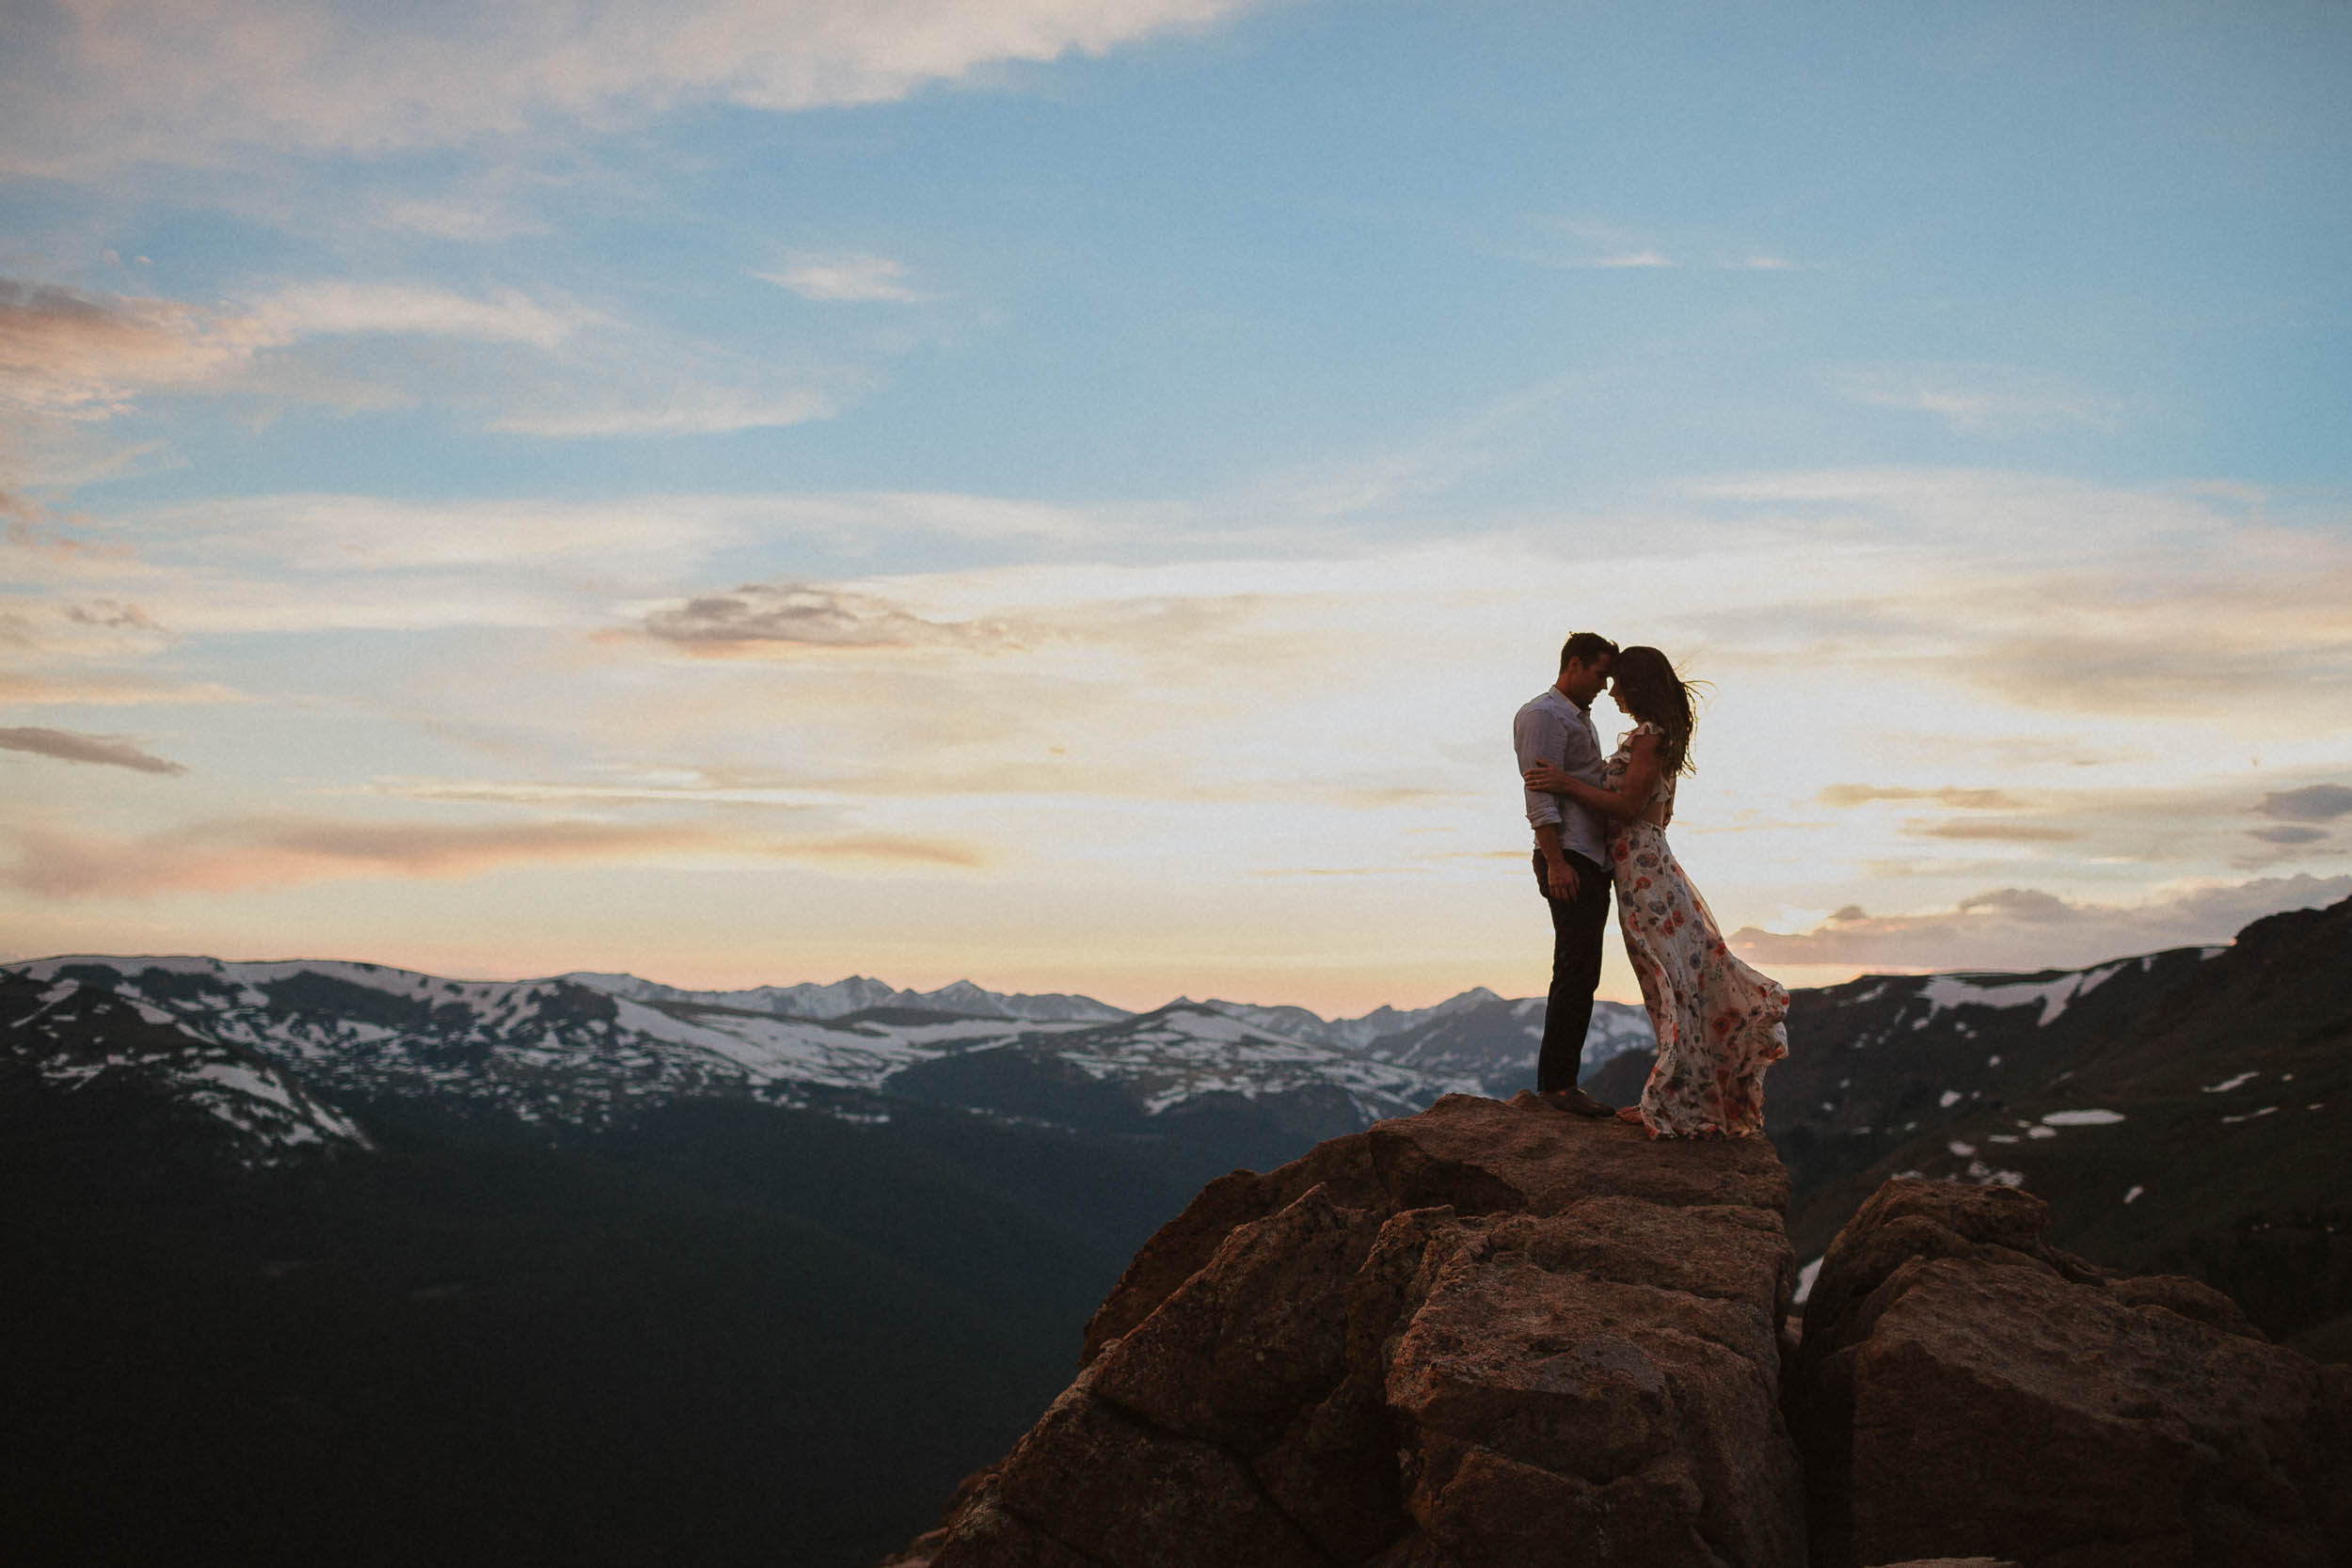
1719,1023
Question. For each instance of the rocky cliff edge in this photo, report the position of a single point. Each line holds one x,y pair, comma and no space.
1492,1335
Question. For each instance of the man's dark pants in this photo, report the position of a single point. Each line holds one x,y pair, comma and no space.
1577,924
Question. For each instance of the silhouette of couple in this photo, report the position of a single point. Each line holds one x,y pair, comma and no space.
1601,823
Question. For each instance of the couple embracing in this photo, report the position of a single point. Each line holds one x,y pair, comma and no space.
1601,823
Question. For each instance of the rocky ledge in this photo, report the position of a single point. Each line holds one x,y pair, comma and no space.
1964,1386
1493,1334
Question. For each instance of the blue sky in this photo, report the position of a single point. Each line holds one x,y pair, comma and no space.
1070,493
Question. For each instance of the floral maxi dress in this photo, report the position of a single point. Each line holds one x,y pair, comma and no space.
1719,1023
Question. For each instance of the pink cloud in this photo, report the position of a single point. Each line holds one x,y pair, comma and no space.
242,854
2027,929
112,750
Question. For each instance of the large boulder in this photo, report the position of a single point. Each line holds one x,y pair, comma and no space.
1485,1336
1965,1388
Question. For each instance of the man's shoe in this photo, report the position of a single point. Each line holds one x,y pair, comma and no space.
1577,1102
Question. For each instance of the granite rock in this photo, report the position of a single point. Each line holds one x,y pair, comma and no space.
1485,1336
1962,1386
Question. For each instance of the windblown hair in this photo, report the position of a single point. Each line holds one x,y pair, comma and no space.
1587,648
1654,693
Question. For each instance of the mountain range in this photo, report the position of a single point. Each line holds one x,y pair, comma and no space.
270,1049
787,1261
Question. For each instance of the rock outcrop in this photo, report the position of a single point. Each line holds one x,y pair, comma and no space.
1493,1334
1484,1336
1966,1388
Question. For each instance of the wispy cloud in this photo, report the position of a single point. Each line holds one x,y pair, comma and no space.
63,350
2021,928
851,277
340,532
82,628
107,690
648,786
2055,595
1979,400
196,80
232,855
1995,832
684,410
111,751
347,309
778,617
1631,259
512,362
299,562
1967,799
87,356
2322,803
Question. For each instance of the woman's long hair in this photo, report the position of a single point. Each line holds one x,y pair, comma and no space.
1654,693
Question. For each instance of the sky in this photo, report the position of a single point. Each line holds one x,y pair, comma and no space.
1070,493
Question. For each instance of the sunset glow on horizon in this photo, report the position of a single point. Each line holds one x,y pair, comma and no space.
1070,495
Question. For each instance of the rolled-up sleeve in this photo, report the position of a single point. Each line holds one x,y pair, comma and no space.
1539,735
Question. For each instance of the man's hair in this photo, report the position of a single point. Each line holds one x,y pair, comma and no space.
1587,648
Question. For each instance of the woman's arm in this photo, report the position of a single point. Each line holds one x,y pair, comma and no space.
1631,797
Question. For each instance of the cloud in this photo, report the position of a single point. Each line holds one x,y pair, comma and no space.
2026,930
233,855
107,691
848,278
1965,799
193,81
2287,835
474,221
856,515
2312,804
523,367
65,351
112,750
2050,594
1978,399
2007,832
85,355
518,365
306,562
86,628
374,533
348,309
779,616
660,787
685,410
1631,258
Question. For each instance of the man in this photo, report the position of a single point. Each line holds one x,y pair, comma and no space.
1571,861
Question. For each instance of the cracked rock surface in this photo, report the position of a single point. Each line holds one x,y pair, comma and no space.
1485,1336
1966,1388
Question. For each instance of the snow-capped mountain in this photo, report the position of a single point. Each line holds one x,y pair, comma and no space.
1899,1052
1494,1042
91,1044
586,1051
859,995
1476,1037
548,1051
1354,1032
1186,1060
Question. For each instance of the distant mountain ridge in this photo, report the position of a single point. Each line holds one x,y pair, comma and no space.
859,995
1975,1077
321,1204
93,1044
585,1049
